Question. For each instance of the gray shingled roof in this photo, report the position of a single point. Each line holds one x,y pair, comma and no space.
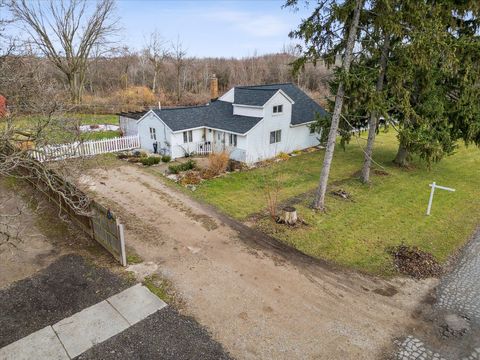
303,110
133,115
219,114
252,96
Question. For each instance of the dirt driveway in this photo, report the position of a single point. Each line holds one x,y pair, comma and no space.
258,301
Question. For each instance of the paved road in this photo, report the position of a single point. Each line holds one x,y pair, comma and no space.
455,317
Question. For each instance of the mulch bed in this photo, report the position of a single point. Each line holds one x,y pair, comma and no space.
410,260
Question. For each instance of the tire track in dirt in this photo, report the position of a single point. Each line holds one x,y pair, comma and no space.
257,302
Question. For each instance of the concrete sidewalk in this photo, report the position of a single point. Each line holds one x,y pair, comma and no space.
76,334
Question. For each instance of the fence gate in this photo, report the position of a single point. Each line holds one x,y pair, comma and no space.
108,231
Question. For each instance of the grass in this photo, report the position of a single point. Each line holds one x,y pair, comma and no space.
386,213
58,134
160,287
98,135
133,257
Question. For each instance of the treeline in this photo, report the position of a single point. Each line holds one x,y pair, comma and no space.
127,81
78,55
132,77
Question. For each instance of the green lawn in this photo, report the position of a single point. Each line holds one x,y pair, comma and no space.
60,135
389,212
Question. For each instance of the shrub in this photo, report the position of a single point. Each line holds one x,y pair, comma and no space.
297,152
191,178
149,161
138,153
188,165
166,158
283,156
218,162
206,174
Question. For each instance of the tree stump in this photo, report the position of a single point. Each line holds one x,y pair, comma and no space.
289,215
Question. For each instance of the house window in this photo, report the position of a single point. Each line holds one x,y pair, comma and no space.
232,140
275,136
187,136
153,134
278,109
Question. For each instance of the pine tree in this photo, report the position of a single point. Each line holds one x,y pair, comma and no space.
321,33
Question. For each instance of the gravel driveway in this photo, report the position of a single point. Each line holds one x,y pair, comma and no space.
256,298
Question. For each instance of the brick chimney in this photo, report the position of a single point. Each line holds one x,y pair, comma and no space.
213,87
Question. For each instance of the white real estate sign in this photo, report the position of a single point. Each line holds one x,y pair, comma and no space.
432,192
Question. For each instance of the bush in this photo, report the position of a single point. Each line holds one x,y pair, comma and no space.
149,161
283,156
191,178
218,162
139,154
188,165
166,158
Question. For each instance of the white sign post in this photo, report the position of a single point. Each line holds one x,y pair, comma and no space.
435,186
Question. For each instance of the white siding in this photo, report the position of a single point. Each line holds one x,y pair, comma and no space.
179,147
229,96
247,111
292,138
128,126
239,152
162,132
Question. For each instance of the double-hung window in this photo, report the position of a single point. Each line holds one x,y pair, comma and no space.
153,134
278,109
275,136
232,140
187,136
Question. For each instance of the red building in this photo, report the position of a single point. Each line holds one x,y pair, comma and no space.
3,106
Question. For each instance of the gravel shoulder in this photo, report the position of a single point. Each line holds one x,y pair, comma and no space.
257,300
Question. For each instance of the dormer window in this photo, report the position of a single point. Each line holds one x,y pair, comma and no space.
278,109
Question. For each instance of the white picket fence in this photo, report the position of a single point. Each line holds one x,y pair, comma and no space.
87,148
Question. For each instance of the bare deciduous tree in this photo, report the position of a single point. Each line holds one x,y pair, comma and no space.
65,32
178,54
156,53
33,122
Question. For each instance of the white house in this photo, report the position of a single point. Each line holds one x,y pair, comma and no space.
252,123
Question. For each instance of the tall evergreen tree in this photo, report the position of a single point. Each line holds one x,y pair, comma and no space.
331,27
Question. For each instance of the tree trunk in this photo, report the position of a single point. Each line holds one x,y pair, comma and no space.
319,202
154,86
402,156
75,82
373,121
289,215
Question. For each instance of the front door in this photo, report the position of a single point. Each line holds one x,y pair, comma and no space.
219,141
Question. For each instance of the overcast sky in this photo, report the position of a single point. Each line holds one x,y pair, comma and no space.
224,28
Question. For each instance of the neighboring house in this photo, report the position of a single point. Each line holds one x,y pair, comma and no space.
252,123
128,122
3,106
